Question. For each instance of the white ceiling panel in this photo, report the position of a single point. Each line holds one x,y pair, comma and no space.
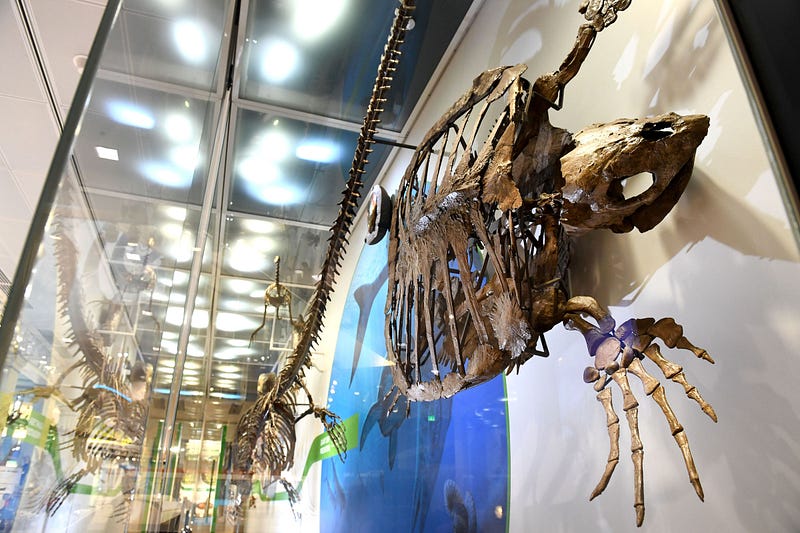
28,146
16,206
65,28
31,187
17,78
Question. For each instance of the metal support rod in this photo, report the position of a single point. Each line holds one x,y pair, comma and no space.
58,166
191,294
394,143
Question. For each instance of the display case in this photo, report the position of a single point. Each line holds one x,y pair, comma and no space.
196,181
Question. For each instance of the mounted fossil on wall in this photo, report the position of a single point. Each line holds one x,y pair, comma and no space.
480,241
266,432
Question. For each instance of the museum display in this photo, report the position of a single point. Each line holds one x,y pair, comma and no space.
193,346
479,242
266,432
111,399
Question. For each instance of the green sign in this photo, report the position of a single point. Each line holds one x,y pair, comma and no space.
37,430
321,448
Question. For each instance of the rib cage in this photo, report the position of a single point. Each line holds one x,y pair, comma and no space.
442,330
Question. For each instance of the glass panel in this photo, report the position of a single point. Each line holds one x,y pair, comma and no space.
94,354
319,58
291,169
173,42
146,142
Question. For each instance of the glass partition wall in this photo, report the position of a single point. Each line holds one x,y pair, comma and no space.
207,139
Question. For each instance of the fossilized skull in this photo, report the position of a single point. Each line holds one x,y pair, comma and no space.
605,155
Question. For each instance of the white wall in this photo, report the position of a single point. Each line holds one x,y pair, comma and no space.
724,263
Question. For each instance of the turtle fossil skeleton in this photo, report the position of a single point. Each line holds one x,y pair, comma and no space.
480,242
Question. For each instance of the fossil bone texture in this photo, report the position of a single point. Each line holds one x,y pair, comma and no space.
480,242
111,409
266,432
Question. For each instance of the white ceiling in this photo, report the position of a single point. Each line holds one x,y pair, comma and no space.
60,30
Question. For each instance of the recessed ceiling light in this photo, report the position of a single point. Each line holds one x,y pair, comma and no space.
107,153
80,62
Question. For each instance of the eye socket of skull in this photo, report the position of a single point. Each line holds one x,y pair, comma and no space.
605,155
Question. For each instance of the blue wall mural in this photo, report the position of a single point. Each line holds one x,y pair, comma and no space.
442,469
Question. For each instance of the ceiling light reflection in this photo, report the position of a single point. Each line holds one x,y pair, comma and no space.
272,145
234,322
257,170
190,40
175,212
177,298
175,317
262,244
198,321
185,157
313,18
171,230
226,396
179,128
258,226
169,346
279,61
183,250
228,354
159,296
166,175
130,115
318,151
180,277
284,194
107,153
239,343
241,257
240,286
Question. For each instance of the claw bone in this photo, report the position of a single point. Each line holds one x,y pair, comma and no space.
680,437
675,373
656,391
637,449
612,422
